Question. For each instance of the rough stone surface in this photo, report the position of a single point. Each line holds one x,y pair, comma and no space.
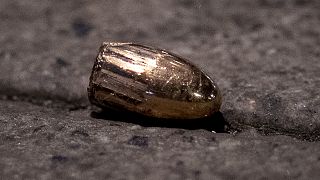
45,143
263,54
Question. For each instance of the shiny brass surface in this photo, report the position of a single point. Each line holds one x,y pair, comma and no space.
152,82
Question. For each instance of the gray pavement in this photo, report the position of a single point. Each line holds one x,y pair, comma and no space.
264,55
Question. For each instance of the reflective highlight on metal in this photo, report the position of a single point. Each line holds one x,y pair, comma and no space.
152,82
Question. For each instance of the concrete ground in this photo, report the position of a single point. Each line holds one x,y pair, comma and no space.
264,55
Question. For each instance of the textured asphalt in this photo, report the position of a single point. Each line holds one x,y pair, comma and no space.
264,55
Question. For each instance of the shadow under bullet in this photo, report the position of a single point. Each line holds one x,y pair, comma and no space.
215,122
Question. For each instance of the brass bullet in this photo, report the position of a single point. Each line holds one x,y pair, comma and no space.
152,82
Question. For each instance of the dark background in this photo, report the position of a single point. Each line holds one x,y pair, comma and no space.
263,54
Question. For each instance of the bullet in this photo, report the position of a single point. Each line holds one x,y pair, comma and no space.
152,82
